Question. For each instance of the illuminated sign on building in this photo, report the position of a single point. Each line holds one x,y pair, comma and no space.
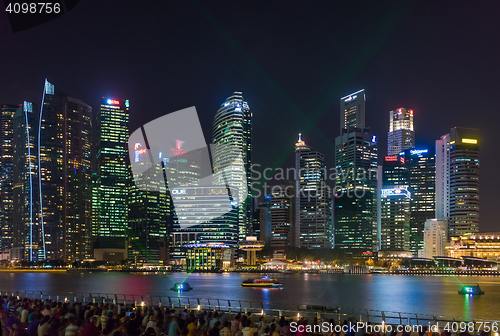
113,102
374,138
395,192
178,151
469,141
139,151
391,158
350,98
418,151
178,191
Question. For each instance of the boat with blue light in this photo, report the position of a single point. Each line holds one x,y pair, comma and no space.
183,287
471,290
264,282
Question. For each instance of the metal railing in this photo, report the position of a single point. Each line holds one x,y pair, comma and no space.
255,308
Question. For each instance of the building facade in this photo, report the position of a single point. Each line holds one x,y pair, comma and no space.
484,245
435,238
232,153
149,218
205,214
262,220
52,178
65,175
205,257
313,199
395,219
6,176
457,180
422,185
356,183
282,199
112,178
352,111
401,134
28,237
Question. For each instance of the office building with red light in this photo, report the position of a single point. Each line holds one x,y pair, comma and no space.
111,184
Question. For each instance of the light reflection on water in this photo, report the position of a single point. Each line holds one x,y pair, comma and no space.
436,295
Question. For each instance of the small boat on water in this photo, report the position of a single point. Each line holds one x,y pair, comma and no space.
471,289
183,287
264,282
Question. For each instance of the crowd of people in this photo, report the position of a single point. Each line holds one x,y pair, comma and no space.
34,317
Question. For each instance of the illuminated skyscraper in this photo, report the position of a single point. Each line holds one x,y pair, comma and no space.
6,176
65,175
27,229
205,214
149,217
412,170
395,219
352,111
52,177
401,134
282,198
112,126
422,185
313,199
395,205
457,180
232,135
356,184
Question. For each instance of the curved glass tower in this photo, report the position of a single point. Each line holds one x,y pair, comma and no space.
231,154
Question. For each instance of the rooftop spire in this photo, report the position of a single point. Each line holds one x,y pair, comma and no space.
300,142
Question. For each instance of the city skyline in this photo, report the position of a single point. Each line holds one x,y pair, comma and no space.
297,89
304,99
157,156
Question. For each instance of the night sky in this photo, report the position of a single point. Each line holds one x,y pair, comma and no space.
292,61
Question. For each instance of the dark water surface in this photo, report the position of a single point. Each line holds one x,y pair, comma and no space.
435,295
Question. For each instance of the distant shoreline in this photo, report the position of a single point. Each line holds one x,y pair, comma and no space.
100,270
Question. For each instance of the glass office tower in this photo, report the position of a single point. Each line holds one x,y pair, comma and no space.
401,134
232,153
6,176
356,184
111,180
